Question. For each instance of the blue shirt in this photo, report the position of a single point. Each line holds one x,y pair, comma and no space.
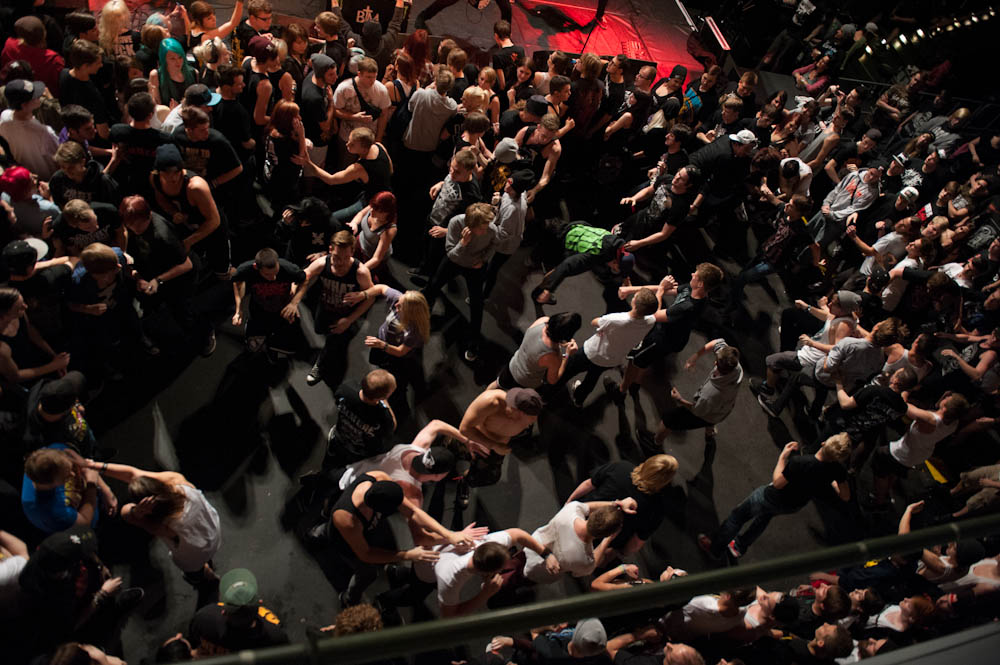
49,510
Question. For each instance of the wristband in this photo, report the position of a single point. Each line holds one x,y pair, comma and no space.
545,553
104,467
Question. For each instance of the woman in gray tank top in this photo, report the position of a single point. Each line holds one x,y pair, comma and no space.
375,229
543,353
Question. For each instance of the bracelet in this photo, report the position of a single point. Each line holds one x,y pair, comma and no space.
104,467
622,566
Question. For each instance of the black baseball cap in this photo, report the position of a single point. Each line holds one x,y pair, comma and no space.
59,395
199,95
19,256
19,92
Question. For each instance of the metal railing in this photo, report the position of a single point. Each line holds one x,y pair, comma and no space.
434,635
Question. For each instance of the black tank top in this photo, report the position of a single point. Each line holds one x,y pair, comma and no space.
376,530
181,205
535,150
379,173
19,343
249,95
335,287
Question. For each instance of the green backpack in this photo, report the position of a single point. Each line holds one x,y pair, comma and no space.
583,239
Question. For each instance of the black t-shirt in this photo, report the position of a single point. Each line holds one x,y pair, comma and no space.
138,152
614,481
511,123
84,93
505,58
211,630
210,158
244,33
681,317
362,430
664,207
76,240
628,657
315,108
807,478
157,250
231,118
457,88
847,153
676,160
44,290
806,623
269,295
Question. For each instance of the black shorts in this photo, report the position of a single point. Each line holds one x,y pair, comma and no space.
681,418
506,380
885,465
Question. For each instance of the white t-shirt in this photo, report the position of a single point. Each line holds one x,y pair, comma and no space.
456,581
953,270
574,556
345,99
33,144
915,446
172,121
701,618
805,175
616,335
10,570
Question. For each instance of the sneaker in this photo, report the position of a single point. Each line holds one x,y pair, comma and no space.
572,393
149,346
313,377
390,615
209,346
331,434
129,599
397,574
759,388
463,494
767,405
733,550
471,356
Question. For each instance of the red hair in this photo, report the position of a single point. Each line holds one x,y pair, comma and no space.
384,203
133,208
417,46
16,182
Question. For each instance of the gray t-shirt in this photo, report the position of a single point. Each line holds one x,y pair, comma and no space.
855,358
716,397
508,226
430,111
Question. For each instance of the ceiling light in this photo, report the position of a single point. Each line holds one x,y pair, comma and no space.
920,33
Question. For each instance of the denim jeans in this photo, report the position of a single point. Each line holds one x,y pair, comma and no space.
755,507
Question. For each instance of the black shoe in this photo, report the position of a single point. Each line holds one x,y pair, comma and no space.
768,406
208,348
420,280
129,599
759,388
463,494
344,600
149,346
313,377
611,387
397,574
390,615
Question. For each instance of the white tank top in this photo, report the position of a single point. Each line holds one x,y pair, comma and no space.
809,355
390,463
198,531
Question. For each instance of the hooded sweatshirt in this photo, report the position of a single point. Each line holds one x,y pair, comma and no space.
96,186
716,397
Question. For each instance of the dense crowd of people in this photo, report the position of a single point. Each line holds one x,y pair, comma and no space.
149,156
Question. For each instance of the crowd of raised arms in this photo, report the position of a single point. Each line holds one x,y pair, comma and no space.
149,156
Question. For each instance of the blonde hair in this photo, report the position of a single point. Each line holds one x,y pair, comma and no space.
837,447
414,313
203,51
474,98
490,74
112,21
590,66
654,474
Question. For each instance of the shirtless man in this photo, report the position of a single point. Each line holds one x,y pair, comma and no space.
493,418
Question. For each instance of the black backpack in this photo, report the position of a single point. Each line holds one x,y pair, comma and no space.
400,119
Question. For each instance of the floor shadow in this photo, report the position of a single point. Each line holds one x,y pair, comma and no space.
293,436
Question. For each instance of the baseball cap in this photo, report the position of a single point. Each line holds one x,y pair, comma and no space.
41,248
744,136
871,27
849,29
321,63
679,72
384,497
899,159
19,256
626,263
436,459
199,95
589,638
850,301
537,105
238,588
59,395
506,151
525,400
522,180
19,92
168,157
910,194
16,181
879,278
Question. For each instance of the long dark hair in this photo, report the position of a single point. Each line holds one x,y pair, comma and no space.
167,502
